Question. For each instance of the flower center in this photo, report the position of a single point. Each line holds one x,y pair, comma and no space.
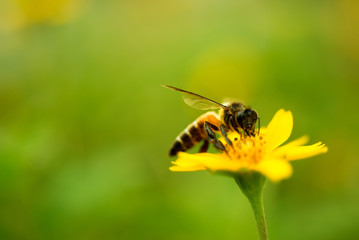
249,150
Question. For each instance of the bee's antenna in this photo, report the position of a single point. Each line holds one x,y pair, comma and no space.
259,125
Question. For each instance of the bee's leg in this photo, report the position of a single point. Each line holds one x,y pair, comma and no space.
212,126
212,137
224,134
233,123
204,147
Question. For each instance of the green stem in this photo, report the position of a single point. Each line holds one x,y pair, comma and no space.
252,184
258,209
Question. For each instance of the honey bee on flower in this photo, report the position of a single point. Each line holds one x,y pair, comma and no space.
241,147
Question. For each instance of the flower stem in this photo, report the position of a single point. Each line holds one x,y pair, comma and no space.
252,184
258,209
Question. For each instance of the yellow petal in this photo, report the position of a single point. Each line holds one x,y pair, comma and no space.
299,141
187,163
187,168
205,161
274,169
299,152
279,129
198,161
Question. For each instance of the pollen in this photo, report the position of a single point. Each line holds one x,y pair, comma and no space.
248,151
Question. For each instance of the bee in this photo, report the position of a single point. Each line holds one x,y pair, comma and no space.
234,116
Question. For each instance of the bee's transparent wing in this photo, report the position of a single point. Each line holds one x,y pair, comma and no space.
197,101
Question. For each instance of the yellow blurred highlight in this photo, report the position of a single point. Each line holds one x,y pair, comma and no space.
21,13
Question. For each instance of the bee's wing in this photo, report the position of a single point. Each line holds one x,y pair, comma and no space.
200,103
197,101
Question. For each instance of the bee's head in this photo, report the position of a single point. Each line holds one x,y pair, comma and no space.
247,120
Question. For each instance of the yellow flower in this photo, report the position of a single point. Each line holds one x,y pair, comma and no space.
261,153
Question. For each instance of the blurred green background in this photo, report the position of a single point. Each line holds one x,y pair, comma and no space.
85,127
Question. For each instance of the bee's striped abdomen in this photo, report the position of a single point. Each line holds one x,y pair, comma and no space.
193,133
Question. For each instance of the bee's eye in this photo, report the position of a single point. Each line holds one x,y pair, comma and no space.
240,118
252,114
